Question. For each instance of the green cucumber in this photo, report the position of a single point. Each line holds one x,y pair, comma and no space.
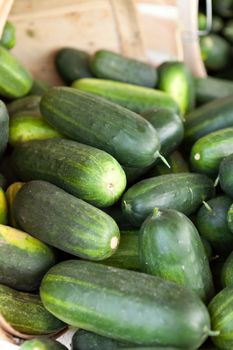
170,247
84,171
113,66
65,222
208,152
225,175
207,247
213,116
72,64
220,310
4,127
24,260
210,88
15,80
230,218
42,344
3,207
39,87
8,39
28,126
125,305
217,23
215,51
175,78
227,272
228,31
183,192
11,192
136,98
99,123
24,104
177,165
211,222
223,8
26,313
169,127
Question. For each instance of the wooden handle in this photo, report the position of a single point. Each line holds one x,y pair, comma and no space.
5,7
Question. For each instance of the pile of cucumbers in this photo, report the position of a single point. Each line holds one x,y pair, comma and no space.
116,205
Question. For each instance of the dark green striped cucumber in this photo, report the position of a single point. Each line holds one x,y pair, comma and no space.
99,123
11,192
177,165
211,117
42,343
169,127
170,247
23,259
108,301
227,272
113,66
210,88
86,172
4,127
211,222
183,192
3,207
64,221
136,98
28,126
176,79
8,38
208,152
15,80
225,175
228,31
221,314
72,64
26,313
24,104
223,8
39,87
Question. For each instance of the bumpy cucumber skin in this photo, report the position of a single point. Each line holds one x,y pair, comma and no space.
225,175
4,127
42,344
183,192
107,301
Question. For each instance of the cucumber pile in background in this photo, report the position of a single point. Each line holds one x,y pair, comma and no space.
116,204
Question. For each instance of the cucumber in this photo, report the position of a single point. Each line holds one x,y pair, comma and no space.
230,218
3,207
28,126
11,192
4,127
220,310
177,165
226,273
175,78
15,80
26,313
42,344
94,121
213,116
24,104
8,39
39,87
113,66
169,127
183,192
208,152
84,171
23,260
211,222
109,302
217,23
136,98
170,247
228,31
215,51
65,222
210,88
225,175
207,247
223,8
72,64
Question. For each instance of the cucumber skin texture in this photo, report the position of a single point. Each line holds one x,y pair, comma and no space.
11,192
4,127
226,272
64,221
169,127
8,39
213,224
225,175
220,310
86,172
26,313
133,314
99,123
176,79
211,117
29,259
72,64
170,247
28,126
24,104
42,344
110,65
15,80
183,192
210,88
136,98
3,207
211,149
